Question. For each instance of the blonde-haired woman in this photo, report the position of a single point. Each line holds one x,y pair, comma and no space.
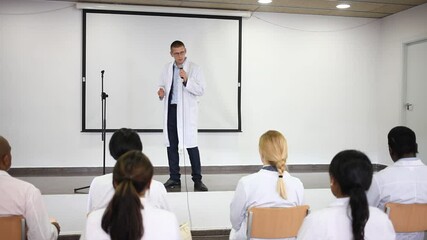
272,186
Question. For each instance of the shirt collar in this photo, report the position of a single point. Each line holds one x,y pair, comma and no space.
340,202
183,64
285,173
269,168
4,173
413,161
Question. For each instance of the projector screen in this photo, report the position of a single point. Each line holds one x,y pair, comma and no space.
133,47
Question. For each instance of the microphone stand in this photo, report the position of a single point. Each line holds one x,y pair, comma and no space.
104,97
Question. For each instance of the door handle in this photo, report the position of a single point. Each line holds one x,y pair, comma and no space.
409,106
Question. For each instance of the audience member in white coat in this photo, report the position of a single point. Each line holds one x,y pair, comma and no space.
128,215
350,216
21,198
272,186
101,189
403,182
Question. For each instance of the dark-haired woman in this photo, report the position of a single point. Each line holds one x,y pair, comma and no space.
349,217
128,216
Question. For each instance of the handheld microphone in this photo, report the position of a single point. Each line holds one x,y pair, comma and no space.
102,73
181,67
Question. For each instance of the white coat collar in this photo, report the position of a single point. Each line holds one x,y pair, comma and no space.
184,64
404,162
340,202
285,173
4,173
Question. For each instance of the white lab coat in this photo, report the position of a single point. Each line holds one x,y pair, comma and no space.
334,223
187,107
259,190
403,182
158,224
21,198
101,192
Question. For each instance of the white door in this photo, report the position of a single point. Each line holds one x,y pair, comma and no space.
415,115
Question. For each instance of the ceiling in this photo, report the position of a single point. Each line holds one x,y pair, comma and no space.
359,8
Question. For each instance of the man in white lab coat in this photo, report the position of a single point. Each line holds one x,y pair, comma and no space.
403,182
21,198
181,83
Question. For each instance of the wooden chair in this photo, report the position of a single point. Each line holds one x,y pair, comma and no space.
12,228
275,222
407,217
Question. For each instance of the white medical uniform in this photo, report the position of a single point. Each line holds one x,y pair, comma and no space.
403,182
158,224
187,107
259,190
334,223
21,198
101,191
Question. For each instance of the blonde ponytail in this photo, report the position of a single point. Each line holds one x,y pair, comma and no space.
274,149
280,165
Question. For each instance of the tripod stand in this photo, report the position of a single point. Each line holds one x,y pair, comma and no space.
104,97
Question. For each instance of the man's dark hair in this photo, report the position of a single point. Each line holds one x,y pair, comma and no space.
402,141
124,140
177,44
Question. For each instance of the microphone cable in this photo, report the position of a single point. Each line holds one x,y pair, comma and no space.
184,148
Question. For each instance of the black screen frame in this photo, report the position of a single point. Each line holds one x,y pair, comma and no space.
83,79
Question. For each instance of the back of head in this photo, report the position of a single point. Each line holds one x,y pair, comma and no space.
124,140
353,171
273,149
4,146
5,156
402,141
135,166
132,175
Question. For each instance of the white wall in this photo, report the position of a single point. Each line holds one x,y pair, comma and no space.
313,84
396,30
314,78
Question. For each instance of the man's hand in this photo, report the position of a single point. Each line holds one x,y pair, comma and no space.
161,93
183,75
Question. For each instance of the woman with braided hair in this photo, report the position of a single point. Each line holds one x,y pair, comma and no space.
349,217
272,186
128,216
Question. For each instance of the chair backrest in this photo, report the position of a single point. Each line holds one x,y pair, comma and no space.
12,228
275,222
407,217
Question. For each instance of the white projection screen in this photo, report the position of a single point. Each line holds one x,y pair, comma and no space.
133,48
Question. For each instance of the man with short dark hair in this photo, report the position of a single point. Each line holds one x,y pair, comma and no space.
403,182
181,82
21,198
101,189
